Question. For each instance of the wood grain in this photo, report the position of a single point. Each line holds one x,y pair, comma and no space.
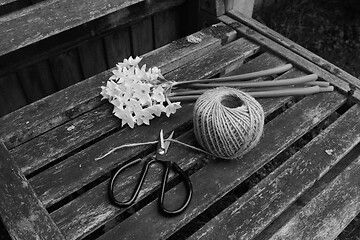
69,28
20,209
51,192
261,205
65,105
330,212
210,183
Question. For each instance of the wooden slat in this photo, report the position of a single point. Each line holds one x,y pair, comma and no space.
62,106
92,57
210,183
72,22
240,48
95,206
261,205
37,81
20,209
142,37
118,46
73,13
297,60
66,138
135,135
50,192
330,212
167,26
97,210
66,69
12,96
296,48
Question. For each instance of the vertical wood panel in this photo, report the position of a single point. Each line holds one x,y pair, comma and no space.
92,57
244,6
12,96
37,81
118,46
142,37
66,69
166,26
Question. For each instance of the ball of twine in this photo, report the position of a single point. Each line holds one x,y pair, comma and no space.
227,122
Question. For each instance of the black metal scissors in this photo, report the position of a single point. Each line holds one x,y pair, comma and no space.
159,157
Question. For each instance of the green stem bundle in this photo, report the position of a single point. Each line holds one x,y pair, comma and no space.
304,85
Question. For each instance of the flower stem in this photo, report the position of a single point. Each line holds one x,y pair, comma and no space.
282,82
263,94
247,76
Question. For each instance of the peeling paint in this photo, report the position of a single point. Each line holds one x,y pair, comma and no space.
329,151
72,127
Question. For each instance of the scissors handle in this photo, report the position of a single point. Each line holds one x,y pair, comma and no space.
185,179
137,189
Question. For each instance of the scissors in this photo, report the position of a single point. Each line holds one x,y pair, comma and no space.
158,157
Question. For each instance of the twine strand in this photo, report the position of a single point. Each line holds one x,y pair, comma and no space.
150,143
227,122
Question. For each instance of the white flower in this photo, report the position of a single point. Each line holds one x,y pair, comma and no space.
138,94
171,108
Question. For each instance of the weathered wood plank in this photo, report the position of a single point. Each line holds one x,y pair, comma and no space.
170,56
142,37
69,28
95,206
50,192
58,12
166,26
241,48
12,96
278,38
37,81
66,69
261,205
118,46
64,139
330,212
210,183
98,211
297,60
62,106
92,57
20,209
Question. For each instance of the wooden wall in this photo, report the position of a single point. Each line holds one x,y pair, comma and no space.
41,78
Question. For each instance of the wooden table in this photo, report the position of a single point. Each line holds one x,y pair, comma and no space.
302,181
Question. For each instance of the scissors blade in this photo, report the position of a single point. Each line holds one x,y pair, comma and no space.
167,143
163,145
